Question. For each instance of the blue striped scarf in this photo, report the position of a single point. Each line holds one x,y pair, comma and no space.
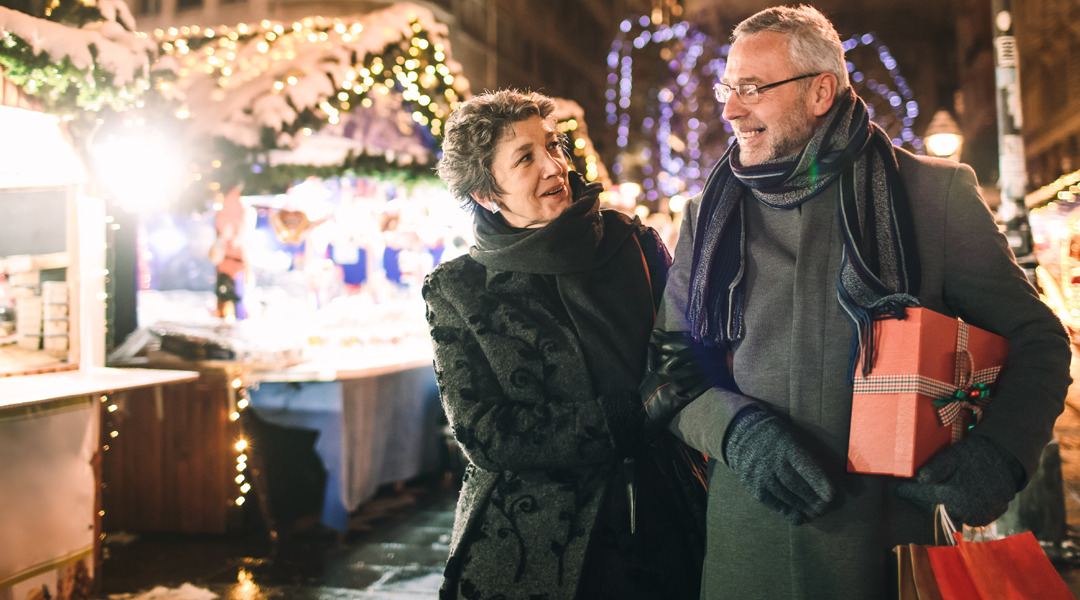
879,275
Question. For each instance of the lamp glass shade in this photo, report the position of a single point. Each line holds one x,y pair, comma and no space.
943,144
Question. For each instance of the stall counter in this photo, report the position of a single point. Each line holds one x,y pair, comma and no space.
49,451
30,389
375,412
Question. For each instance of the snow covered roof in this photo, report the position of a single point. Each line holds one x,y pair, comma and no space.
110,45
296,78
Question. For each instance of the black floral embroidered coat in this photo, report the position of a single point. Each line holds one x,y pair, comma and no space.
541,449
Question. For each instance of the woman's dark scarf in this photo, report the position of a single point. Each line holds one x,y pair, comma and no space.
599,276
879,274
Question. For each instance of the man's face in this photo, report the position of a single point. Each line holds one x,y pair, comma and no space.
781,122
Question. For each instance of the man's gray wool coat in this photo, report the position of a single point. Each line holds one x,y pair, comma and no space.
794,358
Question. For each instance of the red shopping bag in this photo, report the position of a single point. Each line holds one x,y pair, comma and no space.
1010,568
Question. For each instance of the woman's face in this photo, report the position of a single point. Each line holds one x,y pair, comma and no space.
530,168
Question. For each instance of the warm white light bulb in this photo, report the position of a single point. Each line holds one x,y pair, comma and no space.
943,144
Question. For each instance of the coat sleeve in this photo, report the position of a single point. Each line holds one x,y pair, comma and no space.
704,421
983,285
657,260
509,406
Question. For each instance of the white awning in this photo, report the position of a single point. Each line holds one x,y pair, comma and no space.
34,152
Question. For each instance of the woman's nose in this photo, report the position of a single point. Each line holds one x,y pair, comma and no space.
553,166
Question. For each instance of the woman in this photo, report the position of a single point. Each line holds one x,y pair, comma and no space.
540,338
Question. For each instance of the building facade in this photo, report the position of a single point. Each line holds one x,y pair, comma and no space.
1048,41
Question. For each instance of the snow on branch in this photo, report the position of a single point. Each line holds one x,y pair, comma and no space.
103,61
240,82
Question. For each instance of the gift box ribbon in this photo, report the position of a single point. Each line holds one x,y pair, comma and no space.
969,389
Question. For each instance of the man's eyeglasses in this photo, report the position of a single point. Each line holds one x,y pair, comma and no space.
748,92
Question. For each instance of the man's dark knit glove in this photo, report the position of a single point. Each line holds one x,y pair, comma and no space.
674,375
975,479
777,469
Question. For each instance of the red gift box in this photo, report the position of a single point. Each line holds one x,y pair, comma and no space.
931,375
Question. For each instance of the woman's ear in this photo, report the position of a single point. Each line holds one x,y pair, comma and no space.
485,202
822,94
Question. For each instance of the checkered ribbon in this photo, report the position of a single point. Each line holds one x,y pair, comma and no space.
970,389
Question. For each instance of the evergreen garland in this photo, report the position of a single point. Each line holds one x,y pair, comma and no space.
75,94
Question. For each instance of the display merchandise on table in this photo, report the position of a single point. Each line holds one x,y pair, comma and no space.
328,273
35,328
931,378
347,331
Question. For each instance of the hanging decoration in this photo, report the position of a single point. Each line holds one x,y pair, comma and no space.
670,133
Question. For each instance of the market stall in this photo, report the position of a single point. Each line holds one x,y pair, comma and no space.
1055,229
308,343
288,271
54,388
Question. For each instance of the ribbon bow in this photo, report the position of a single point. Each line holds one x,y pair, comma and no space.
973,388
974,398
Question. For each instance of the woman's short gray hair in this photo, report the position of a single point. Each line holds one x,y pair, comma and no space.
473,132
813,43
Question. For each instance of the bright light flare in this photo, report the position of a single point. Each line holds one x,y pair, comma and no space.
143,171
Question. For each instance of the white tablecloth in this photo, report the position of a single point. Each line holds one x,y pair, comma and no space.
371,430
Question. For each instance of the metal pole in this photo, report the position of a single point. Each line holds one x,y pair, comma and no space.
1012,174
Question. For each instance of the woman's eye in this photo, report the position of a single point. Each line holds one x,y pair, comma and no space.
525,158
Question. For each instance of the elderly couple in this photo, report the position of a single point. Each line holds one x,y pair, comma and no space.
588,377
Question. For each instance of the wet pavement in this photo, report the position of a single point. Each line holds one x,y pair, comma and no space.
395,549
397,544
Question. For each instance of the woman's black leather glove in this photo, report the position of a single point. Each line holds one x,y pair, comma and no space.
777,469
974,478
675,373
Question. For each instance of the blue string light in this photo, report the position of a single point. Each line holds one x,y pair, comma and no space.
691,56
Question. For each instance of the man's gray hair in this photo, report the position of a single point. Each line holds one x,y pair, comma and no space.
473,132
813,43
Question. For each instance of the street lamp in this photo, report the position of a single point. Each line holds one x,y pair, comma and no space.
943,137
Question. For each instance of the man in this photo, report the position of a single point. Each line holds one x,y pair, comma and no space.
811,227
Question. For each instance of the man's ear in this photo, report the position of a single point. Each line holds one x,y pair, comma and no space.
822,94
482,201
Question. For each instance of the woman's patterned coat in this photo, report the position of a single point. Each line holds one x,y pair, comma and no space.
517,393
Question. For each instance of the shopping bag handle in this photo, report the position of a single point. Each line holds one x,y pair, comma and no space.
943,527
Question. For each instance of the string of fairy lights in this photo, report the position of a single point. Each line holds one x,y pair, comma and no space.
233,56
240,398
676,119
238,402
292,79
